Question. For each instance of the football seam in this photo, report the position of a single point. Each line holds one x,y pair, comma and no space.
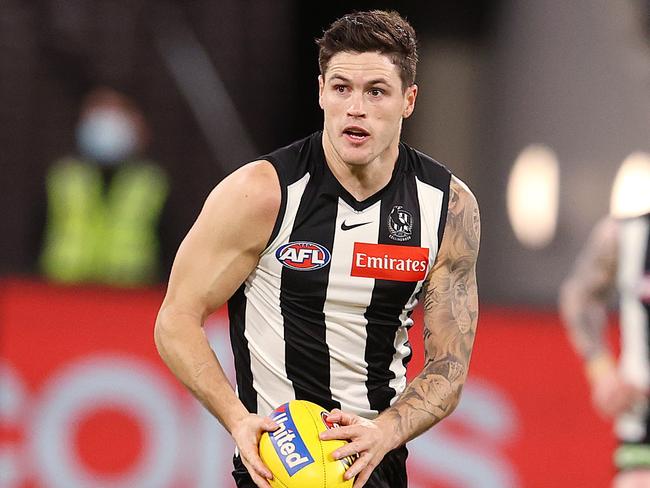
320,446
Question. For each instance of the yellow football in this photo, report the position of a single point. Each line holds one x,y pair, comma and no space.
295,454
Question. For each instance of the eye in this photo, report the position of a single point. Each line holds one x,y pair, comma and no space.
376,92
340,88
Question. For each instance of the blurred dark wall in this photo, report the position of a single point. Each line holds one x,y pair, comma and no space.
54,51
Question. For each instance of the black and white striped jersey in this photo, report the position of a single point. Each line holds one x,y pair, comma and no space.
325,315
634,315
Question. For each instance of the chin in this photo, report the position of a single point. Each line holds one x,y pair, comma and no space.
353,158
356,155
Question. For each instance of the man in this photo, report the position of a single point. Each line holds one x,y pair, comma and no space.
616,255
322,249
105,200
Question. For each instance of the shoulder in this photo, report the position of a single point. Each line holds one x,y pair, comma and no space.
252,190
594,269
461,196
463,226
603,238
254,176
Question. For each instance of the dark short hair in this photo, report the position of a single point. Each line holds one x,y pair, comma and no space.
386,32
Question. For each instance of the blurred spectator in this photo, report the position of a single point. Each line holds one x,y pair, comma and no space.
105,200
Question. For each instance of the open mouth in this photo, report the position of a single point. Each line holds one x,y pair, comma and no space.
356,133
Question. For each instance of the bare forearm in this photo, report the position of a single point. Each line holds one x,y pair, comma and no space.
184,348
428,399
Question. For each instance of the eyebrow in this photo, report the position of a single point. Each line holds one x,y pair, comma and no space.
375,81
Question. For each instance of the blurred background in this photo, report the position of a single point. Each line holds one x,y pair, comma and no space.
118,118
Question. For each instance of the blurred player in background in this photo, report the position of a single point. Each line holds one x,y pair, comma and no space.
322,250
616,257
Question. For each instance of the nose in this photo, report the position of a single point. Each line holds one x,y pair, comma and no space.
356,107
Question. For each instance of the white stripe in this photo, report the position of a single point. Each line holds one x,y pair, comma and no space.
633,318
402,350
264,323
348,298
430,202
430,199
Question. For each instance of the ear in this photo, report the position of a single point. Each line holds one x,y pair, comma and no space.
321,86
409,100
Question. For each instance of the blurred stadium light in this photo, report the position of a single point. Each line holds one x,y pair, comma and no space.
532,196
631,189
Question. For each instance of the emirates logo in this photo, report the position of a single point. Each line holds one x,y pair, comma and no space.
389,262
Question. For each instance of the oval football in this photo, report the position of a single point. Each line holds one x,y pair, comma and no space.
294,452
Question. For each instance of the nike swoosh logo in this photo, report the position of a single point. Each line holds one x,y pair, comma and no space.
344,226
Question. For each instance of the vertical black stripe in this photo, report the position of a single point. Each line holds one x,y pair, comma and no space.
241,354
302,300
389,297
445,206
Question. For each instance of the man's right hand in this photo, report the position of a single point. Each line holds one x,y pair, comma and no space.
247,434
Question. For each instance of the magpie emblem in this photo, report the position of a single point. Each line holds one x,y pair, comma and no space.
400,224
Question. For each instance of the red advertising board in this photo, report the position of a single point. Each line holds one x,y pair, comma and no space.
85,401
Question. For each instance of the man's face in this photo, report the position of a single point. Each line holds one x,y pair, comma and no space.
363,103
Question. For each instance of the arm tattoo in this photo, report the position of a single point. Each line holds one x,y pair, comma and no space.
450,315
584,294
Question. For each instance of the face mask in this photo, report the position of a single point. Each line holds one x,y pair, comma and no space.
106,136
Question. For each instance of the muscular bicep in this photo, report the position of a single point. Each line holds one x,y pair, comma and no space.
223,246
450,294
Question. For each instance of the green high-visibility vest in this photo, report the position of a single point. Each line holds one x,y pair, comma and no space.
93,235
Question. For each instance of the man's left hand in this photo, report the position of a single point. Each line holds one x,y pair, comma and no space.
366,439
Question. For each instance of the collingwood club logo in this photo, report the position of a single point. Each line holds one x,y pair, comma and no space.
400,224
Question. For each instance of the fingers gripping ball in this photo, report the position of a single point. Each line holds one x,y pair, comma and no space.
295,454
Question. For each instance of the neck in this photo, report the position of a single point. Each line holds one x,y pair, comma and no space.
365,179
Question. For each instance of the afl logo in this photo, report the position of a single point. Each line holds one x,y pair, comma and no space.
303,255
